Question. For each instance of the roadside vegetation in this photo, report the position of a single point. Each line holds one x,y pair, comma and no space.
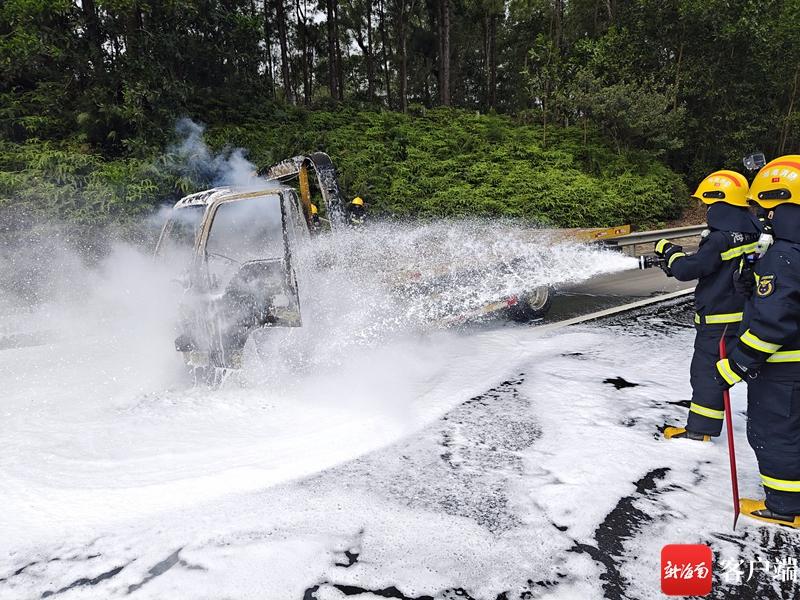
566,113
441,162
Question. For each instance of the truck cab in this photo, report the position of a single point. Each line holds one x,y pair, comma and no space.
241,274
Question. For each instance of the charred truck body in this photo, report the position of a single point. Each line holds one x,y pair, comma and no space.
238,246
240,275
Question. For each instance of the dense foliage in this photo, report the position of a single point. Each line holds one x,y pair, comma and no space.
444,162
695,84
448,162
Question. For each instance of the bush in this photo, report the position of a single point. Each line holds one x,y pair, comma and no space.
443,162
39,180
452,162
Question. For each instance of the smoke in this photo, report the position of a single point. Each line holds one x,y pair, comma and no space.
193,160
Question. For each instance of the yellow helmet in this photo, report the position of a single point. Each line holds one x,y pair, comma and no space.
314,209
357,201
723,186
778,181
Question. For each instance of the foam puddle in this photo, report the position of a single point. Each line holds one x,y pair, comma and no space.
506,495
159,451
101,434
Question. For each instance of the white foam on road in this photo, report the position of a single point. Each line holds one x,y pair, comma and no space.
86,454
180,504
110,460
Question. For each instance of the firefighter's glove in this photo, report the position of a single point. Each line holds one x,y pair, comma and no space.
665,249
668,251
744,280
729,373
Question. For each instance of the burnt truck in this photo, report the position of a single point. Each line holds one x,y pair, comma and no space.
239,275
236,246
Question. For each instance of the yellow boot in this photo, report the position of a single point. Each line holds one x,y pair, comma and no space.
680,433
757,509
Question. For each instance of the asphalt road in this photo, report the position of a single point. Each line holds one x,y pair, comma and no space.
607,291
551,483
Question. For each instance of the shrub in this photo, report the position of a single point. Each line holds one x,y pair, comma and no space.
440,162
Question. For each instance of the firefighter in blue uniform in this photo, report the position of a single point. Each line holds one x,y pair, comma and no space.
732,233
767,355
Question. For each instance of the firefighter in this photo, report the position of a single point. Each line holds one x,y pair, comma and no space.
316,224
732,232
357,213
767,355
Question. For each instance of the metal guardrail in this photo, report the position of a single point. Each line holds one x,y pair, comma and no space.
646,237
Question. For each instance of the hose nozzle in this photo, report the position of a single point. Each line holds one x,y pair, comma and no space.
648,262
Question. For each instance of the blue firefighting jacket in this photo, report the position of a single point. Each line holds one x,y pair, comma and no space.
732,234
769,340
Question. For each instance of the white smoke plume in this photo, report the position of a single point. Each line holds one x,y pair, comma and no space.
192,158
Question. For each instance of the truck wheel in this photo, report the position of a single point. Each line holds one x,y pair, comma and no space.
532,306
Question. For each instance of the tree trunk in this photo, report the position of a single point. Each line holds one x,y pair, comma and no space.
133,27
677,78
492,60
385,52
311,61
339,64
268,48
254,58
93,32
403,57
302,34
444,52
332,67
364,41
788,122
368,57
558,24
280,15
